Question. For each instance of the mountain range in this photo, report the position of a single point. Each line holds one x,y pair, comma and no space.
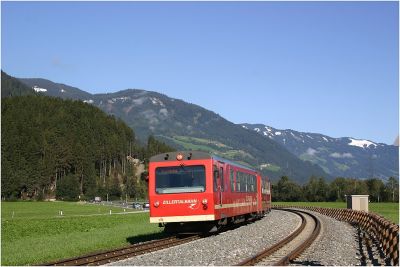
344,157
275,152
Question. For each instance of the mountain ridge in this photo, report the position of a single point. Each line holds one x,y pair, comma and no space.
343,156
190,126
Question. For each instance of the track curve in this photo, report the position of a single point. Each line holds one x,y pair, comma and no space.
292,246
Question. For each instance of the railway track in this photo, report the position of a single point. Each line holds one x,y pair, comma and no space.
101,258
279,254
292,246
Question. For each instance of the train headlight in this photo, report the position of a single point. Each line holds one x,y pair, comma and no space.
179,156
156,204
204,202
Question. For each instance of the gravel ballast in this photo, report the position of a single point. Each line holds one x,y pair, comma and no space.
336,245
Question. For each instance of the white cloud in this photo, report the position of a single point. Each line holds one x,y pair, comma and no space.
139,101
310,151
164,112
151,116
339,156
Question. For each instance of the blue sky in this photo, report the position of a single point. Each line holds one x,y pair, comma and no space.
325,67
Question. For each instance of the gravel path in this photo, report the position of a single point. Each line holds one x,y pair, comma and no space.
336,245
228,248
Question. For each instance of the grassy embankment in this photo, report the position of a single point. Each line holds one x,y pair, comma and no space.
388,210
34,232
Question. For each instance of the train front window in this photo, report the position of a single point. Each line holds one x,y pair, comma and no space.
180,179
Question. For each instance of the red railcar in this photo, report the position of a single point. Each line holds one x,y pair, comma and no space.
192,189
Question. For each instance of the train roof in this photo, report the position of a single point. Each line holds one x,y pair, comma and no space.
195,155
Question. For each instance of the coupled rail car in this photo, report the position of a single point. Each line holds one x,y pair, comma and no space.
198,191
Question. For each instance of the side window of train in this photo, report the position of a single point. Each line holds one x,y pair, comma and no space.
231,179
243,182
215,174
262,185
222,178
265,186
238,177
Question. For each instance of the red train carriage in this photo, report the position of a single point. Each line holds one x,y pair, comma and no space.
192,189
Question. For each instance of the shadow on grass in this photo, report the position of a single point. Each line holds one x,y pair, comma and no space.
148,237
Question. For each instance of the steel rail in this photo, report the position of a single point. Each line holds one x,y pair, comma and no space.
300,249
294,253
105,257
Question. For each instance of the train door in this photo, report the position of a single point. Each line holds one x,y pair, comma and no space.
219,182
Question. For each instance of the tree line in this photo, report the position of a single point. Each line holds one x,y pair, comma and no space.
318,190
64,149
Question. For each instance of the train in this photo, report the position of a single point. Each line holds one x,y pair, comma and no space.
196,191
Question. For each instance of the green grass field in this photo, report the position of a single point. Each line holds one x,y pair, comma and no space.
388,210
34,232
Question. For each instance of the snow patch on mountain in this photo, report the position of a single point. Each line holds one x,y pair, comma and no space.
156,101
123,99
361,143
39,89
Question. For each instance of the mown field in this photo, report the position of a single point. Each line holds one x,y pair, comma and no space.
388,210
34,232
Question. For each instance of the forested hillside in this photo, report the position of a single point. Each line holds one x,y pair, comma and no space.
65,149
190,127
11,86
275,152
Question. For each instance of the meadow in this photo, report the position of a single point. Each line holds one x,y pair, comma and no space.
388,210
35,232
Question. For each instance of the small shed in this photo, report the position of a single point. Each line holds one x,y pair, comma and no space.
357,202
